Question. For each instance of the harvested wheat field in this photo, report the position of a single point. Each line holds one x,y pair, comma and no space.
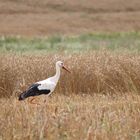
49,17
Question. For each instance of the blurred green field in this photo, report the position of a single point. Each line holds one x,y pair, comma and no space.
73,44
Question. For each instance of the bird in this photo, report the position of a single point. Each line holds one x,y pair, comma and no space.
44,87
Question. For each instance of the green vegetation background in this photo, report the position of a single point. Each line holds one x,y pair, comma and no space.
92,41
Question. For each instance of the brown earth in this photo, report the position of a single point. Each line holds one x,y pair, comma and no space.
49,17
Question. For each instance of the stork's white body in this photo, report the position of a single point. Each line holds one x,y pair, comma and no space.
51,82
45,86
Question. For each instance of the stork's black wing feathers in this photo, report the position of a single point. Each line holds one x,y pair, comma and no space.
33,91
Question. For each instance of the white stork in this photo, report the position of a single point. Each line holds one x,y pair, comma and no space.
46,86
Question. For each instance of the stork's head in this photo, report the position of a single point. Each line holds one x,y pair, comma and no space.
61,65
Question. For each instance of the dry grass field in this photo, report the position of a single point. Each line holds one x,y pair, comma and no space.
72,117
99,100
101,72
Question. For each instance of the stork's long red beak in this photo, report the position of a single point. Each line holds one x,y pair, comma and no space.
66,69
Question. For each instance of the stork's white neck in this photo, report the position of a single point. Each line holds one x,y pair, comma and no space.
57,75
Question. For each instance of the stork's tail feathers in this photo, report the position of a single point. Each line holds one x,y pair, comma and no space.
22,96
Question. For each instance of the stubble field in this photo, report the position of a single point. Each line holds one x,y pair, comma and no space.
47,17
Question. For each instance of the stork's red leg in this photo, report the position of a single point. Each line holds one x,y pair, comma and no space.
32,101
45,101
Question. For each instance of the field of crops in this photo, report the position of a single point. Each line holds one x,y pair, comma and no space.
99,42
121,41
98,100
68,17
